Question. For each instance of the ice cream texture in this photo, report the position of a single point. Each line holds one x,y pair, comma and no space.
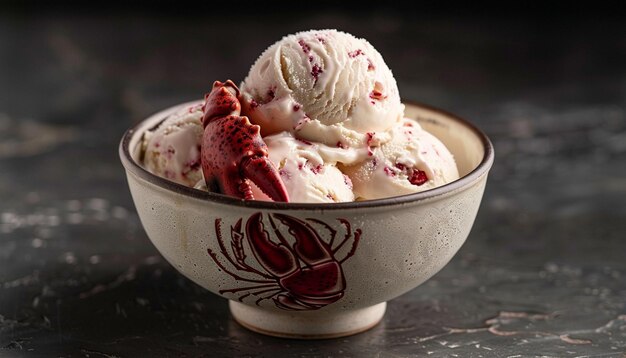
172,150
329,111
327,86
305,169
413,160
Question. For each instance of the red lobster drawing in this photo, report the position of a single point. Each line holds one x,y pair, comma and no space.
302,275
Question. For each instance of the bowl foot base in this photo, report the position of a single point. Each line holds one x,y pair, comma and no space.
309,324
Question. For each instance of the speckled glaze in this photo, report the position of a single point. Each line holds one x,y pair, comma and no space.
402,241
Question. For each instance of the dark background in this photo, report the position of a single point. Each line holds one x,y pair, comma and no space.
542,273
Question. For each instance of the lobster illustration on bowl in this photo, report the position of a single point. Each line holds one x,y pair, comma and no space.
301,274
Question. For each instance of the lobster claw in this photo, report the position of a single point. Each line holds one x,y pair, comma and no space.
233,152
275,258
223,100
309,246
261,171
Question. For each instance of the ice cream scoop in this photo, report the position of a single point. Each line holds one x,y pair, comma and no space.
412,161
325,86
172,150
307,175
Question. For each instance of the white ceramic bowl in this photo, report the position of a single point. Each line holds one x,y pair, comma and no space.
312,270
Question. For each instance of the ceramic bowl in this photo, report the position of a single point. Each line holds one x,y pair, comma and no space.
312,270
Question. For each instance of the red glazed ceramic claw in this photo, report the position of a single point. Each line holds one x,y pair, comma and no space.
233,152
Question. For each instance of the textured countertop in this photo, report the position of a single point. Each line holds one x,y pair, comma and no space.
543,272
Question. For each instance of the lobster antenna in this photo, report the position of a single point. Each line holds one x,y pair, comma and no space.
280,236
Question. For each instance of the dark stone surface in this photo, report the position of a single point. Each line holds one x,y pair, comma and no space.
543,272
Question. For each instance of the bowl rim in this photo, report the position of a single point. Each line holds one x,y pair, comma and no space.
466,181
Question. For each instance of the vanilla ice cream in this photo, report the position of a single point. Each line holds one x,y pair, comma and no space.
308,177
172,150
412,161
325,86
330,114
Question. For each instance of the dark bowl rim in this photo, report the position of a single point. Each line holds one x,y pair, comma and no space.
483,167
